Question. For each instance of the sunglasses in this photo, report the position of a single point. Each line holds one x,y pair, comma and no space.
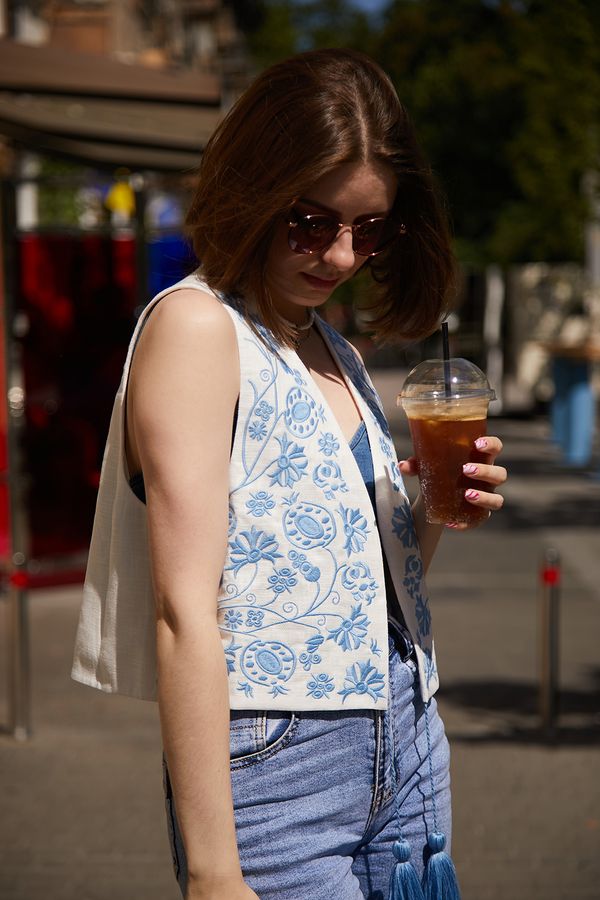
314,232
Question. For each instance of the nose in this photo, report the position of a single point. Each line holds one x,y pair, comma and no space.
340,253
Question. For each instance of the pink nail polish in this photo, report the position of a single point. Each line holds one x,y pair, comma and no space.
481,443
470,469
451,525
472,495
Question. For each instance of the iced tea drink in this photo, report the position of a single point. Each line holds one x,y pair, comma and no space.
446,416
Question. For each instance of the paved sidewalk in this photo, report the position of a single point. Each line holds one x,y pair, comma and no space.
82,814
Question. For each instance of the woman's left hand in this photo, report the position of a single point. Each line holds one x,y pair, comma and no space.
484,470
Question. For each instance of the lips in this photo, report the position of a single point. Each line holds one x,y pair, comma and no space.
321,284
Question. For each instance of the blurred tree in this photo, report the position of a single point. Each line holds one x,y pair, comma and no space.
505,95
289,26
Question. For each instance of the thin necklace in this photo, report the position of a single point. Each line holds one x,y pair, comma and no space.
301,336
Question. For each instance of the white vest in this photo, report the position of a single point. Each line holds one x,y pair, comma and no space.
301,605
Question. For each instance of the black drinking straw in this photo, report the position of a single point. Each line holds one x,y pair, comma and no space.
446,350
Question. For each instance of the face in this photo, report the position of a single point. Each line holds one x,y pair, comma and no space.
297,281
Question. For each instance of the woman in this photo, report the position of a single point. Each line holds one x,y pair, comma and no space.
285,627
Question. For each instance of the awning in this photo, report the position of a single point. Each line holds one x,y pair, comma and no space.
99,110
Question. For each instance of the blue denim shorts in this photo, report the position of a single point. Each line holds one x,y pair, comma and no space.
316,794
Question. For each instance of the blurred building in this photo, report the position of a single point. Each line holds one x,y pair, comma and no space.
105,107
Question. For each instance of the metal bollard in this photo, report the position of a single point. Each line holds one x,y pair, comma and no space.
549,640
19,660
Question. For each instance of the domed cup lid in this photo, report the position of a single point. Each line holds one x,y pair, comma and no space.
438,380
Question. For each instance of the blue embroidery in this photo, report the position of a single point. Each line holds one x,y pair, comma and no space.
290,464
403,525
261,503
257,431
355,529
283,580
264,411
232,521
252,546
350,633
328,444
230,651
301,414
315,552
385,446
308,525
319,686
430,666
233,620
328,477
423,615
359,581
311,657
254,618
263,661
300,562
375,648
413,571
246,688
363,678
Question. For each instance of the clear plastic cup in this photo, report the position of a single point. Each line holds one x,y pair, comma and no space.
446,403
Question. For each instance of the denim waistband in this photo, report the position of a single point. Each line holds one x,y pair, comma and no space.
399,637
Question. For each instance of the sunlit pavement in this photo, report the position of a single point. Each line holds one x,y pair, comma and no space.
82,815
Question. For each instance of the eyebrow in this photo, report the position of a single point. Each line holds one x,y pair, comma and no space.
335,213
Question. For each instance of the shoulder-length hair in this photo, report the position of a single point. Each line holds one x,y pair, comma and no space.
299,120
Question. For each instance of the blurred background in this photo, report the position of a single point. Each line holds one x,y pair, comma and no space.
105,106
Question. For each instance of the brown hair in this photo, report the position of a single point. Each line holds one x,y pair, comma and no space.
297,121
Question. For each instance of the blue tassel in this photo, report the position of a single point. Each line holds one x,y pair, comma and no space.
404,883
439,877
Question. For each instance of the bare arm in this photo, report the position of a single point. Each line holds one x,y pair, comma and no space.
181,399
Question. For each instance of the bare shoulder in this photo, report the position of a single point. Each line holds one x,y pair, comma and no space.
189,313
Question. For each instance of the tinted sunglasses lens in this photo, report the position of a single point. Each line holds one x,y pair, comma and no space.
311,233
373,236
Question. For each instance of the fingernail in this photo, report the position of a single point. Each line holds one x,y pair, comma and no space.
472,495
470,469
451,524
400,461
481,443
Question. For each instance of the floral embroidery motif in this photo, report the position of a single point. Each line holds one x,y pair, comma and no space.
359,581
268,661
413,572
320,685
233,619
311,657
290,464
423,614
230,652
385,447
300,562
328,444
252,546
257,431
283,580
261,503
264,411
328,477
363,678
355,529
301,413
308,525
350,633
254,618
403,525
309,574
